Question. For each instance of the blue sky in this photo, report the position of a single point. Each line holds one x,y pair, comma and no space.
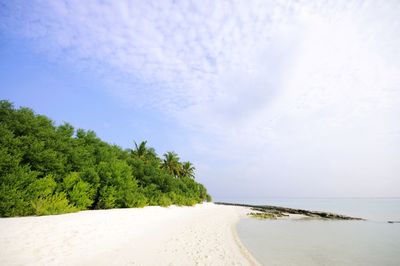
266,98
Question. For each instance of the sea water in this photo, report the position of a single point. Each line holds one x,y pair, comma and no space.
326,242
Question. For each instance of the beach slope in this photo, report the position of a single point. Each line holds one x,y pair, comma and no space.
200,235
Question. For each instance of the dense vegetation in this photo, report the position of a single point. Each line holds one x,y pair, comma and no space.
48,169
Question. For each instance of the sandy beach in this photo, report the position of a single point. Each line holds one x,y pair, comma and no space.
200,235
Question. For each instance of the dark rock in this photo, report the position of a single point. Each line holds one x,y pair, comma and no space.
282,211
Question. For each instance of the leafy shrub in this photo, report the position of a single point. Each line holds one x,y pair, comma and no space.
107,197
80,193
52,204
208,198
164,201
14,192
48,169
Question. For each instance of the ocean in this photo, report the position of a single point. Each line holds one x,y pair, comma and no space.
321,242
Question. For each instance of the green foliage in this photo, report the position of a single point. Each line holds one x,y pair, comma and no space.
52,204
107,197
135,199
80,193
188,169
47,169
14,192
42,187
44,199
171,164
208,198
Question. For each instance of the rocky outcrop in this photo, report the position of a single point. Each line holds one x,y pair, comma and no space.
277,211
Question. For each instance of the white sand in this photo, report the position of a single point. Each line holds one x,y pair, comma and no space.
200,235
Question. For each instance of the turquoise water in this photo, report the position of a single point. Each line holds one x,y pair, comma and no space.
317,242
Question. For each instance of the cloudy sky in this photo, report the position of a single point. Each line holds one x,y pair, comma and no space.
266,98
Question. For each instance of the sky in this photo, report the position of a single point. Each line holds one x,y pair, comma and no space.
266,98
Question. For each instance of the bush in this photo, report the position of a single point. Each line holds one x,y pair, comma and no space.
79,192
12,201
107,198
48,169
14,192
164,201
44,199
191,202
42,187
208,198
140,201
52,204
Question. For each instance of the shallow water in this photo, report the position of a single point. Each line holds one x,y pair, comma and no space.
317,242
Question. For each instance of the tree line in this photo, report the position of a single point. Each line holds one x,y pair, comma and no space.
48,169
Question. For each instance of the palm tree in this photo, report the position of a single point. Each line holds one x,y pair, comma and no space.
141,149
143,152
188,169
171,163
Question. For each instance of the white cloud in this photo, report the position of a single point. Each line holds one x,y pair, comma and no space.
303,82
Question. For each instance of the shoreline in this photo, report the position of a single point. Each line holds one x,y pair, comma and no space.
204,234
245,252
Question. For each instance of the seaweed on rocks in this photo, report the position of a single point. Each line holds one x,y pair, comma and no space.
277,211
